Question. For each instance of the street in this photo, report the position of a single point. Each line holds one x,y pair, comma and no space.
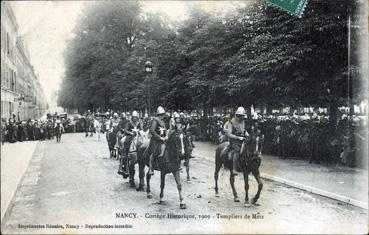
71,186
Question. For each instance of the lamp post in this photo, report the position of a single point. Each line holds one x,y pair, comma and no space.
149,69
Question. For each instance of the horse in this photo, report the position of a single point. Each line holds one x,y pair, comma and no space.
169,163
249,162
58,131
128,162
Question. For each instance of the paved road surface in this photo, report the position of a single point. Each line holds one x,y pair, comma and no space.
74,182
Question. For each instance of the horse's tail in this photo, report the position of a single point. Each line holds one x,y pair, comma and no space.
218,158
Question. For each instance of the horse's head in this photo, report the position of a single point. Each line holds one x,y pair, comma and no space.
252,145
176,143
140,138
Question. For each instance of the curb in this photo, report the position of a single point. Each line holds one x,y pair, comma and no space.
314,190
311,189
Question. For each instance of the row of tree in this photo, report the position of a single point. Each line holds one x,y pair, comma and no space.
256,55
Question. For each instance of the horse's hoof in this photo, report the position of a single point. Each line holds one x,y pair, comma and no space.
247,204
139,189
162,202
132,185
254,202
149,196
188,179
236,199
217,195
182,206
120,172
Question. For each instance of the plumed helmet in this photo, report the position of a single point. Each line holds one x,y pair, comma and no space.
123,115
160,110
115,115
241,111
107,113
135,114
176,115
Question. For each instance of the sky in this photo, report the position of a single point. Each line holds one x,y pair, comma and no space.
46,27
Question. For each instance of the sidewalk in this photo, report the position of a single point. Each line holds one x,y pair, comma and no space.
349,185
14,162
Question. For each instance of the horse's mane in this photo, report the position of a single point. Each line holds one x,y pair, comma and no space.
172,145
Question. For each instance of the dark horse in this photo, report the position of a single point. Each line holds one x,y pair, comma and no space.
249,162
169,163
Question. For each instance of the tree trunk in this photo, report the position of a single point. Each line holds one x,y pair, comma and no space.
333,112
248,111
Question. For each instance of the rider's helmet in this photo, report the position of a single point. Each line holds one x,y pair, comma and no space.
115,115
107,114
160,111
123,115
135,114
176,115
241,111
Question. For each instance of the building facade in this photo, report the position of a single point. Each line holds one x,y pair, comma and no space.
21,91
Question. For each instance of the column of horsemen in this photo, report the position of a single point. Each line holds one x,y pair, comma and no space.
171,142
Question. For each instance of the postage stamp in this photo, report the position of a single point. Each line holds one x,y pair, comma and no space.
295,7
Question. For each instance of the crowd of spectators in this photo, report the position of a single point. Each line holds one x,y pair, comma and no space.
313,138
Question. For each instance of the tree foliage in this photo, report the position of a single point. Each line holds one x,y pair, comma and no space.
257,55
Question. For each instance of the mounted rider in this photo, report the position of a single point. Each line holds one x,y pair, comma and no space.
180,126
114,123
106,122
122,122
236,132
159,135
131,130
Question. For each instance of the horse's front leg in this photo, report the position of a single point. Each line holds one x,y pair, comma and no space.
141,174
148,178
177,178
231,179
162,185
246,173
256,174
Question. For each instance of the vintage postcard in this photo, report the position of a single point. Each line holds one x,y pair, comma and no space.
184,117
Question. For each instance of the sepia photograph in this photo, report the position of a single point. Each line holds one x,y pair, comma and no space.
184,117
